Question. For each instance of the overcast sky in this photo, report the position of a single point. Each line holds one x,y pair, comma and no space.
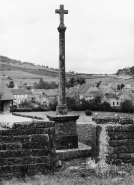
99,35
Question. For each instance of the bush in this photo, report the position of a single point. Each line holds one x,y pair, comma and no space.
127,106
88,113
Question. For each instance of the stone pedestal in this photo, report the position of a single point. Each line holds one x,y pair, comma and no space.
65,131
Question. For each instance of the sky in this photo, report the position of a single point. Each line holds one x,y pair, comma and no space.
99,38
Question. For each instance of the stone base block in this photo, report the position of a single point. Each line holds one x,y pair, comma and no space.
62,109
66,142
65,131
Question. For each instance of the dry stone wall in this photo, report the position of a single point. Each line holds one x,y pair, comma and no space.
114,140
27,148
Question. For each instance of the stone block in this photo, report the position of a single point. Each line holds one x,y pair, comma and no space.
34,124
8,132
120,128
11,146
24,152
24,160
120,135
66,142
105,120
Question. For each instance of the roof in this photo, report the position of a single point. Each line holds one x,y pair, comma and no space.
108,90
126,97
87,94
71,90
109,96
6,93
83,88
49,93
19,91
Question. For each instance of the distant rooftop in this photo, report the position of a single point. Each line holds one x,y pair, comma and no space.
6,94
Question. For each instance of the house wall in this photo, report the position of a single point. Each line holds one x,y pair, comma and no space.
114,102
20,98
6,106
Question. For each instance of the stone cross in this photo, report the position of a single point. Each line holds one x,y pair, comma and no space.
61,12
61,108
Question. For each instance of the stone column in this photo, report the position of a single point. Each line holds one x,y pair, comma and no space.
62,108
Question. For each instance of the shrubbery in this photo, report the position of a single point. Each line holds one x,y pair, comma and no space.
88,113
127,106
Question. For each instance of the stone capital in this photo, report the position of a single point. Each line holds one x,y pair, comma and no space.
61,28
62,109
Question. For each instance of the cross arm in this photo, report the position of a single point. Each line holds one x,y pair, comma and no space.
57,11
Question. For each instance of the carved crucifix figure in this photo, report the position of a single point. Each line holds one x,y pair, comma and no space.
61,12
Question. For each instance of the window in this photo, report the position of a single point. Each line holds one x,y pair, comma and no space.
117,103
113,103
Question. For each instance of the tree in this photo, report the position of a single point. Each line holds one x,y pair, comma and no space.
11,84
72,104
85,105
53,105
122,86
98,84
118,87
127,106
106,106
9,78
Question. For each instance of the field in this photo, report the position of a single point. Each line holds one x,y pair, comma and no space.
26,73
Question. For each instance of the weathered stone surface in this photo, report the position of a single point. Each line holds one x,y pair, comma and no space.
104,120
62,109
120,128
66,142
31,131
127,142
118,146
126,121
124,149
24,160
27,148
34,124
65,129
120,135
86,133
120,120
24,152
95,143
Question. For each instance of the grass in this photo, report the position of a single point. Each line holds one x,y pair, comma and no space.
74,172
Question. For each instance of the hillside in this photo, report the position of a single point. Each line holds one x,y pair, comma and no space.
126,71
25,72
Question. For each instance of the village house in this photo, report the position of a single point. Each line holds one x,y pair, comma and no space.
87,96
43,96
6,98
20,95
113,100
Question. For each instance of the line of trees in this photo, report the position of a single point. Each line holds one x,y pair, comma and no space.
45,85
95,105
75,81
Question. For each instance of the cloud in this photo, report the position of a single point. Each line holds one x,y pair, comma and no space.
99,33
